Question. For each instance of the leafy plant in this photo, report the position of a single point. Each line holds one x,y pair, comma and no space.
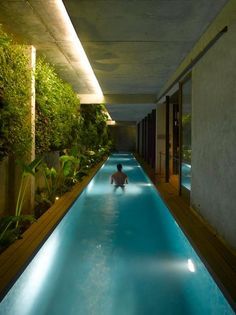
50,177
94,133
15,80
27,171
58,181
187,152
57,111
10,226
8,230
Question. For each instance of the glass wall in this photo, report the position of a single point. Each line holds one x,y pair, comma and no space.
186,134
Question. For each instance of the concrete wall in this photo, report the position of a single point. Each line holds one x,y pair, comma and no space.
214,135
124,137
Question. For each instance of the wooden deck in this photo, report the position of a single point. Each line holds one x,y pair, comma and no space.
218,257
16,257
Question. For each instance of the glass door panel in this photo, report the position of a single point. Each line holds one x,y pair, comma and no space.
186,134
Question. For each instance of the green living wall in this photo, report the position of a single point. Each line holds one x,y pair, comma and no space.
79,134
61,123
57,111
15,80
94,132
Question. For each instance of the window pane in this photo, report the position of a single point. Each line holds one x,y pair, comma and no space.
186,135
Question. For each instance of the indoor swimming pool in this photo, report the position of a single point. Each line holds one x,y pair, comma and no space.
116,252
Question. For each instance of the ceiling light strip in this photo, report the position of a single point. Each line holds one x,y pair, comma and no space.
72,36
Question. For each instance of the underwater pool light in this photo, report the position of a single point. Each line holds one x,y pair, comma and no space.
191,266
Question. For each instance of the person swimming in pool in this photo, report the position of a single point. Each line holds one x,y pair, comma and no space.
119,178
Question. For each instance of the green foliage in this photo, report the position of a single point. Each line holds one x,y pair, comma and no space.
49,193
187,153
186,138
27,171
11,226
186,119
57,111
15,79
60,124
8,230
59,181
94,133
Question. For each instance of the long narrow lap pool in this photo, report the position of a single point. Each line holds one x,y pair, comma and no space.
116,252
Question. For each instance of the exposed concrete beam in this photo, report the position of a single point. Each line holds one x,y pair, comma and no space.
91,99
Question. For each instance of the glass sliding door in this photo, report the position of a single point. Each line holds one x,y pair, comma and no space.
174,139
186,145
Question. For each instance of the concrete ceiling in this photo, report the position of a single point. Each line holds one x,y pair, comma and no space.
133,46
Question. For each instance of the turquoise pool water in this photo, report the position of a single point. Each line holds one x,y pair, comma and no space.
186,176
116,252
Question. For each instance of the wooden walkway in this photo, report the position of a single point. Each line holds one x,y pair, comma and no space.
219,258
16,257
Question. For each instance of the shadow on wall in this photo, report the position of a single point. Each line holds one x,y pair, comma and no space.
124,137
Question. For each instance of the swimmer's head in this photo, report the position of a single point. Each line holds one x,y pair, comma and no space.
119,167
